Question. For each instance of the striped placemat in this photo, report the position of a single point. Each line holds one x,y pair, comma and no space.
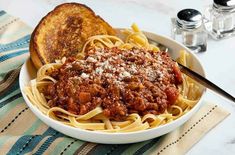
21,132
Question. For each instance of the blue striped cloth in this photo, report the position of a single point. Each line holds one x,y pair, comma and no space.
21,132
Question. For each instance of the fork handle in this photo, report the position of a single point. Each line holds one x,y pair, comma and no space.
203,81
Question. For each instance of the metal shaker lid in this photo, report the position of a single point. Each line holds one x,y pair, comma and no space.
224,5
189,19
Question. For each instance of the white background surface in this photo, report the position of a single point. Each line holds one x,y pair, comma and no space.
154,16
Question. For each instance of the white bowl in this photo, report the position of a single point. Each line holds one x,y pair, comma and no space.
28,72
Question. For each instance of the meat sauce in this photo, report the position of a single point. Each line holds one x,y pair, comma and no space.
120,81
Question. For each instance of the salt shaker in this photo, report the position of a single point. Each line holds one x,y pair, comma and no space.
188,29
220,19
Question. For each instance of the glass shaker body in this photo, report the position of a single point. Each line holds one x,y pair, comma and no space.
193,38
220,22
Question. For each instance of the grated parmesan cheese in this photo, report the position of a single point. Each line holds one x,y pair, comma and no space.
99,70
90,59
84,75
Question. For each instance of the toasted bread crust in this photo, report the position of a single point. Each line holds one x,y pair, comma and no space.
63,32
37,61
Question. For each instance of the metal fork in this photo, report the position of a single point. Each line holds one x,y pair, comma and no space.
197,77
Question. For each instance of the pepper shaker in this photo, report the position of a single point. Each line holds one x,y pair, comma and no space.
220,19
188,29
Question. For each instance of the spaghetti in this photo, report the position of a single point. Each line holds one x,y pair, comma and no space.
130,102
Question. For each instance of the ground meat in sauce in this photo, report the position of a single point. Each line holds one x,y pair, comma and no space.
120,81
